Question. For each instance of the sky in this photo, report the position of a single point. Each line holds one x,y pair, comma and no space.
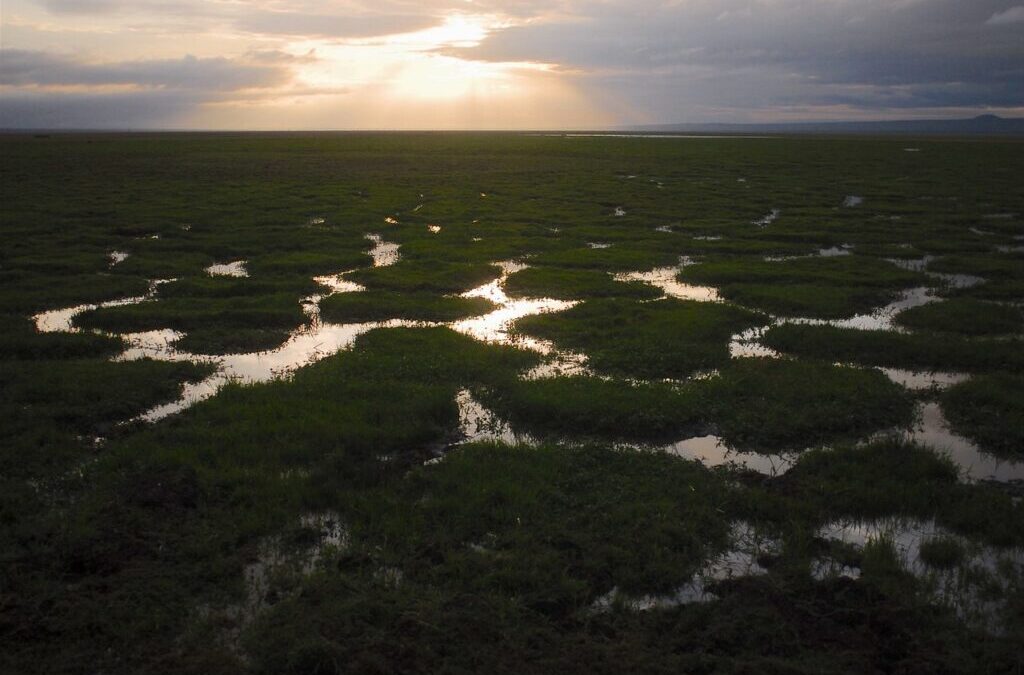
502,64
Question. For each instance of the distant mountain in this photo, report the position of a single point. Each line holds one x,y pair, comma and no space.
983,125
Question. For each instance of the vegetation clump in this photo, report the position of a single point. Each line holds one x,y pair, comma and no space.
990,410
819,287
382,305
665,338
963,317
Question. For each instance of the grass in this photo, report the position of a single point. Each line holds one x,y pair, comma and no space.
194,313
382,305
573,284
130,556
942,553
989,410
897,350
20,341
214,341
592,407
653,340
817,287
408,276
773,404
967,317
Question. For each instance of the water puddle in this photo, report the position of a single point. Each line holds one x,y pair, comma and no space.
495,326
598,245
231,269
62,320
852,201
307,345
276,572
384,253
478,424
117,257
746,547
619,211
434,229
768,219
747,345
933,431
923,380
711,451
391,221
976,585
716,237
664,278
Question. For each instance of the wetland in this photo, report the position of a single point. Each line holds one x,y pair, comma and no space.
457,402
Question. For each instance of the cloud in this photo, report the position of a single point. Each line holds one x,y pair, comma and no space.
21,68
1012,15
664,57
126,110
332,26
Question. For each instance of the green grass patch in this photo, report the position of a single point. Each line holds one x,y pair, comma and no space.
19,340
383,305
660,339
989,410
186,314
593,407
772,404
897,350
573,284
418,276
815,286
963,317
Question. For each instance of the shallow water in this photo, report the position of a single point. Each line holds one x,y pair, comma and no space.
117,257
665,279
384,253
619,211
746,546
231,269
478,424
976,465
747,345
62,320
712,451
768,219
967,588
495,326
853,200
923,380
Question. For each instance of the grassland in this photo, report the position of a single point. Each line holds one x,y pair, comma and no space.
334,519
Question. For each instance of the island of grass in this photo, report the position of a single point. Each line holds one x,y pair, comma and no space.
216,325
365,306
425,276
772,404
819,287
990,411
573,284
592,407
961,316
918,351
659,339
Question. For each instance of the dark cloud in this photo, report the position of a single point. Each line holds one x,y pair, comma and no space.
742,53
129,110
31,68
